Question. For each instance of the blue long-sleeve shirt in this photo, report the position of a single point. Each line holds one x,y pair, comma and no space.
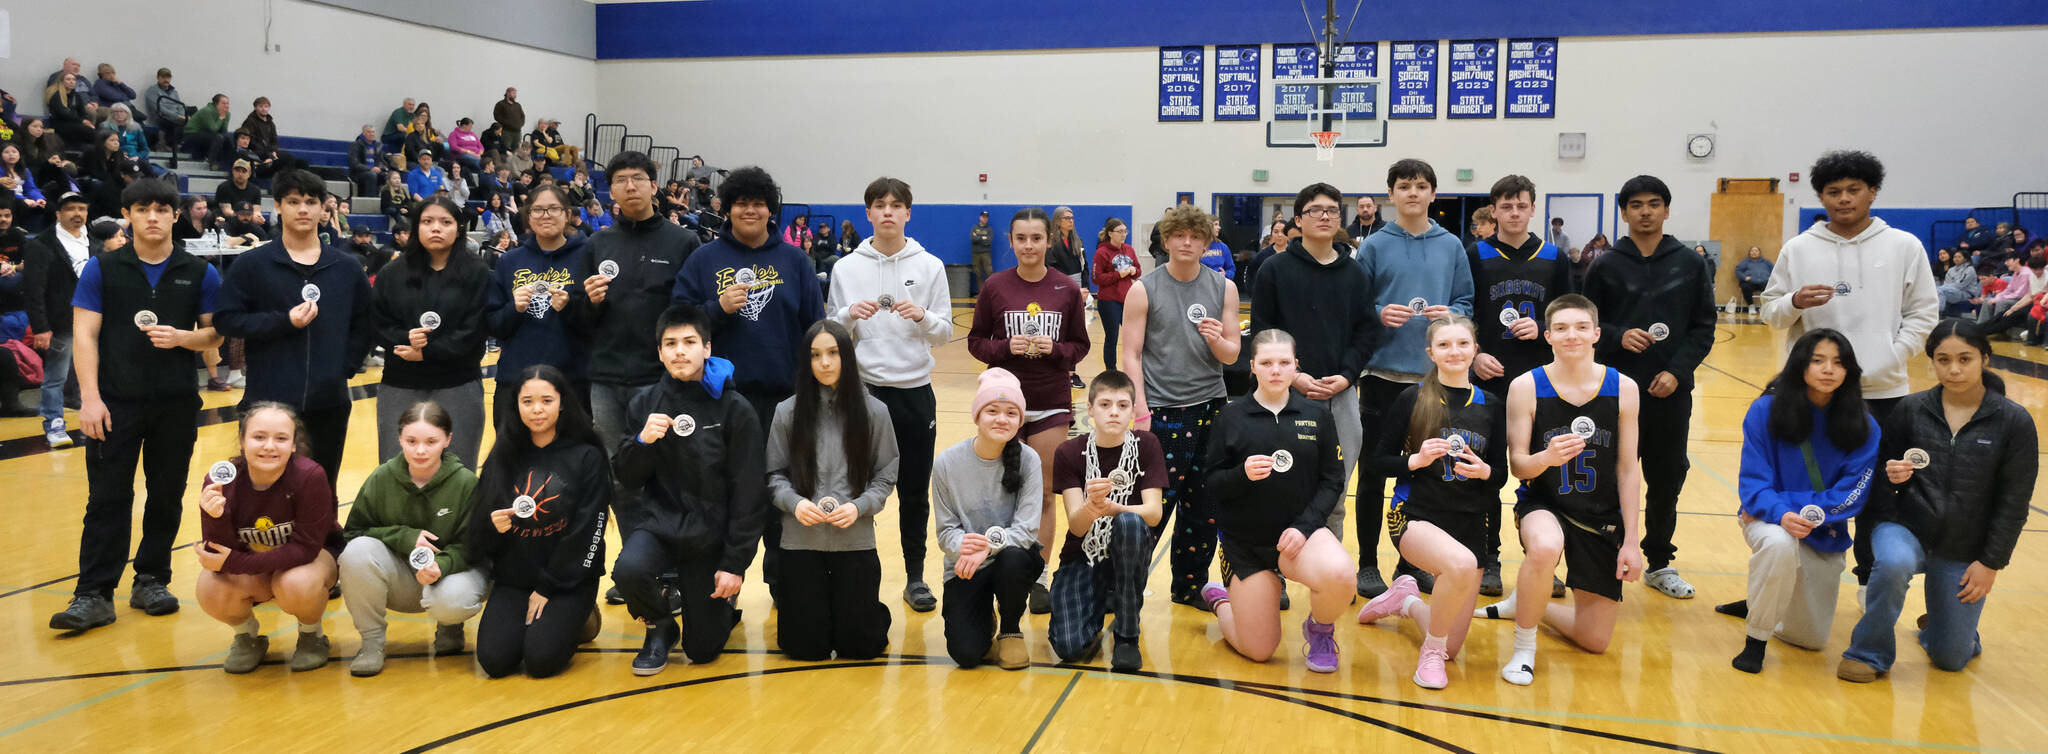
1400,268
1218,258
1775,480
423,183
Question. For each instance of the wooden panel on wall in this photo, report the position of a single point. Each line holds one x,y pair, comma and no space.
1743,216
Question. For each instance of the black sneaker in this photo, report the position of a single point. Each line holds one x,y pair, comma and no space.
613,597
591,625
150,596
1489,581
1126,658
1285,602
918,595
1076,383
1556,587
1738,609
1191,600
87,612
653,657
1370,584
334,592
1041,599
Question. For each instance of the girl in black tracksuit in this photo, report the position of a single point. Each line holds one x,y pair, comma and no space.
432,358
1447,465
546,565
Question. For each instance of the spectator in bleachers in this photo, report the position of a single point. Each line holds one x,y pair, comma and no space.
425,179
207,133
104,159
134,142
520,158
65,113
824,253
238,189
1959,284
7,107
395,198
849,239
108,90
43,152
457,186
595,218
671,200
496,217
15,176
105,196
703,174
547,140
465,148
579,191
362,245
79,86
263,139
248,221
196,219
798,233
508,114
363,167
1976,237
398,126
167,111
423,136
333,221
2014,306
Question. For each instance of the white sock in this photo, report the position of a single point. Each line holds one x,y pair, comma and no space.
248,627
1504,609
1407,602
1439,642
309,629
1521,667
1045,576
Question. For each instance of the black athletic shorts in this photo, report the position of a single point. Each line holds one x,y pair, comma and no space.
1243,561
1591,548
1469,529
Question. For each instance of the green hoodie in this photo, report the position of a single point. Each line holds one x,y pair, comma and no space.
391,509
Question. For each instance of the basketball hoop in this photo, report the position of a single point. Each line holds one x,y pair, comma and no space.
1326,145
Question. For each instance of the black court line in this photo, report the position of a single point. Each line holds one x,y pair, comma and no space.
1047,722
1485,716
129,562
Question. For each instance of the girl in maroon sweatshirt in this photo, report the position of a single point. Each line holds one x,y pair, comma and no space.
1035,324
268,534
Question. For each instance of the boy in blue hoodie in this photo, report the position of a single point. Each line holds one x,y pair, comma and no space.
760,295
1411,259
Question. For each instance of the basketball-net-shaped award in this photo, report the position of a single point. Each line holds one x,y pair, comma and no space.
222,473
1282,461
524,506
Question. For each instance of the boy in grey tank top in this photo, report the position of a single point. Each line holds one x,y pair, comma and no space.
1180,328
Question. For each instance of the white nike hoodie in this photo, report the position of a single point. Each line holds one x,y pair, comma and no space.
1890,306
894,351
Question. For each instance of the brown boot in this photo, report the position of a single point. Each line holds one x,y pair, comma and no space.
1854,671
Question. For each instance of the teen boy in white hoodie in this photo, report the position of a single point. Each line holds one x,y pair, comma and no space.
1862,277
893,296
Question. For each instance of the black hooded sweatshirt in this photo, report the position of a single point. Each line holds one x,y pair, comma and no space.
620,330
1634,292
705,495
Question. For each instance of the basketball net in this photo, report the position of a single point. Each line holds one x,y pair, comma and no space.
1326,145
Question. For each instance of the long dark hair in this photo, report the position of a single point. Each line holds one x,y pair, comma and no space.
849,400
1792,412
514,448
1974,336
418,263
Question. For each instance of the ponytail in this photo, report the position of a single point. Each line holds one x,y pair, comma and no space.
1013,466
1426,419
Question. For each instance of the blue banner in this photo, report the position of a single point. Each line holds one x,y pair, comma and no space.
1532,78
1294,61
1474,73
1180,83
1414,80
1237,82
1358,61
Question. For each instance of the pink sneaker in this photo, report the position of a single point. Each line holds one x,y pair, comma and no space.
1389,601
1214,594
1429,671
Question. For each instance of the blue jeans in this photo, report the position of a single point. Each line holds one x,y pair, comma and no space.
56,370
1951,634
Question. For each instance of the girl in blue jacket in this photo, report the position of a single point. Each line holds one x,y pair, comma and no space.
1809,448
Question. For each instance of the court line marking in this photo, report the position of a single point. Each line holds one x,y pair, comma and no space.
1056,703
131,561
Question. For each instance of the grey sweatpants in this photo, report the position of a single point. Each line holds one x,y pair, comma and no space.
375,579
1791,587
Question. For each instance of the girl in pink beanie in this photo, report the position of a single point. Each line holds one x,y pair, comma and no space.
986,497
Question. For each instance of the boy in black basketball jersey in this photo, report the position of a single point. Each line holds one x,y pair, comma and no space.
1515,275
1572,434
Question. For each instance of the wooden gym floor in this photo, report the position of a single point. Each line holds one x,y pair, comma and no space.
155,683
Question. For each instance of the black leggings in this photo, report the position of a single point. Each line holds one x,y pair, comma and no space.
972,606
504,639
829,605
913,412
707,621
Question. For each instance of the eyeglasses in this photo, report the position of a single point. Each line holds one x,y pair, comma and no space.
632,180
1321,212
556,211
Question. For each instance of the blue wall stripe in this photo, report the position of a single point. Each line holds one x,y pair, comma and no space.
734,28
942,229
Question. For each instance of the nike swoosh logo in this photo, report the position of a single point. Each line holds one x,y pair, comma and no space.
1059,287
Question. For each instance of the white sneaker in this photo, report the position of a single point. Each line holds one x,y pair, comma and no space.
56,436
237,379
1859,599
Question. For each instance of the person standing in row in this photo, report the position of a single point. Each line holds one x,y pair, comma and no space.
1513,273
896,360
1275,473
760,293
268,534
545,563
144,309
985,493
1177,342
1033,323
526,306
1116,265
831,465
1658,305
697,465
1958,518
302,310
428,310
418,500
1411,260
